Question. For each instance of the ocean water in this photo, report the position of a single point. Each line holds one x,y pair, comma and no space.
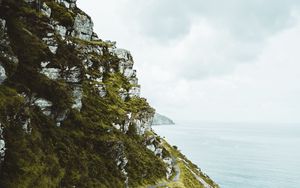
241,155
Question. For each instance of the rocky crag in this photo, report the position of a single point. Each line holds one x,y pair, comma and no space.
159,119
70,110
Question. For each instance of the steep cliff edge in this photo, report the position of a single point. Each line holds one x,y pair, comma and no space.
70,110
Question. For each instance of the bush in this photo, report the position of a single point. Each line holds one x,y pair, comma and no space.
23,42
61,14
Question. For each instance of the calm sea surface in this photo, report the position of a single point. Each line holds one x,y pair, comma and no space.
241,155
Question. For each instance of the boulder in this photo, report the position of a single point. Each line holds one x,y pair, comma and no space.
134,91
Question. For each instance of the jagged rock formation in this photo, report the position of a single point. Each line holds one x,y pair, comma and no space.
70,108
159,119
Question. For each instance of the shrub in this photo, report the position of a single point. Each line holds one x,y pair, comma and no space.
61,14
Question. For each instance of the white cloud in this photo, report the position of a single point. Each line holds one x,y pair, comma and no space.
237,61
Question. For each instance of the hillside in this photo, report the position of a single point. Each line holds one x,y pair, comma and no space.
70,110
159,119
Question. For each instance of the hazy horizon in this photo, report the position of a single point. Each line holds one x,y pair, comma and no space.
233,61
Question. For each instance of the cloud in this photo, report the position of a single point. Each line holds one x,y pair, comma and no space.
232,60
170,19
264,91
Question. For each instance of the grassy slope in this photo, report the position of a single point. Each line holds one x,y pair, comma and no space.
188,171
187,175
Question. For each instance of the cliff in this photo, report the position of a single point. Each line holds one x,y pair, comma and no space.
159,119
70,110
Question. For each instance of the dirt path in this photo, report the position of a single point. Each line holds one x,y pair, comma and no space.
201,180
175,179
177,173
158,185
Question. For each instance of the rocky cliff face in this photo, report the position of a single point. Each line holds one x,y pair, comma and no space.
70,110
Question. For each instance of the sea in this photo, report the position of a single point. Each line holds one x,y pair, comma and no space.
240,155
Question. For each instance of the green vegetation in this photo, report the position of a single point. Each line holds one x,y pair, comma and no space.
188,171
66,56
10,102
85,150
61,14
93,42
80,152
23,42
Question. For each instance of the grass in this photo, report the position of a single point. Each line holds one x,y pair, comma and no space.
93,42
61,14
187,178
187,169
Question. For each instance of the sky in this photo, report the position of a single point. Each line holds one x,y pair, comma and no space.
199,60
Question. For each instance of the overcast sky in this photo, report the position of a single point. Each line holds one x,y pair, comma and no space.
225,61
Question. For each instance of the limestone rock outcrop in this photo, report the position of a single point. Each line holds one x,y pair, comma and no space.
83,27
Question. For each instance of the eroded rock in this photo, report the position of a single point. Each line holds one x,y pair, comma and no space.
51,43
2,74
134,91
143,122
122,54
51,73
118,153
26,125
151,147
101,89
29,1
77,95
69,75
6,51
83,27
67,3
72,75
60,117
61,30
2,144
123,93
44,105
133,81
46,10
